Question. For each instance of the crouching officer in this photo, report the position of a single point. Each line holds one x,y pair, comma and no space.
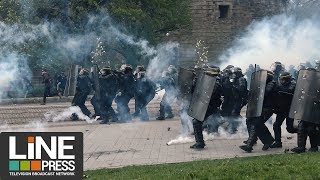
283,100
205,102
83,89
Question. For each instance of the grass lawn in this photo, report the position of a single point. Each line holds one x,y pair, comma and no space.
285,166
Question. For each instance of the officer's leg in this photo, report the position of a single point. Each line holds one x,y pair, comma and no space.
313,137
144,114
103,111
277,130
82,105
46,94
167,106
162,108
96,105
120,107
137,107
254,138
302,137
290,128
252,135
126,109
197,126
263,132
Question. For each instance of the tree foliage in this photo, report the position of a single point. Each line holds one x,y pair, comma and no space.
145,19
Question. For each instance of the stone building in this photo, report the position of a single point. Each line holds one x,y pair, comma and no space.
218,23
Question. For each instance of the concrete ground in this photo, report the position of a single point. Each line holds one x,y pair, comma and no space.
134,143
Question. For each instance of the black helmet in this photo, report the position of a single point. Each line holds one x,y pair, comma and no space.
237,71
84,72
140,68
302,67
105,70
276,66
141,74
128,69
285,78
229,67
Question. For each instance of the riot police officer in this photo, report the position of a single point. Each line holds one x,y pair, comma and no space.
213,107
227,104
283,98
83,89
256,125
46,80
277,68
239,91
300,67
317,65
145,91
168,83
305,109
125,93
61,83
108,89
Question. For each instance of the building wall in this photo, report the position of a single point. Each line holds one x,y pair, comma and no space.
217,32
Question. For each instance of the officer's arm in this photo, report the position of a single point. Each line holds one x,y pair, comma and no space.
292,87
270,87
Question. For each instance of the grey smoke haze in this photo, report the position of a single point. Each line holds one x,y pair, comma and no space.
286,38
280,38
59,45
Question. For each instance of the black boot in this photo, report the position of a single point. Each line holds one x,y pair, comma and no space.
162,113
251,140
197,126
246,148
276,144
254,137
302,138
313,137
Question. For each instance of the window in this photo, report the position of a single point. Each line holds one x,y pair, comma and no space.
224,10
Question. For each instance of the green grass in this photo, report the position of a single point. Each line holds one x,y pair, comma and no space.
286,166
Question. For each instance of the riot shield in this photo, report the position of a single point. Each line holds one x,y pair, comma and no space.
256,93
185,81
201,97
305,105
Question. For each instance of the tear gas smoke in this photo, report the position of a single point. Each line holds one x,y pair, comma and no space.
59,45
65,115
224,133
283,38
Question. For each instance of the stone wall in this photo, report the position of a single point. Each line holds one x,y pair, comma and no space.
218,27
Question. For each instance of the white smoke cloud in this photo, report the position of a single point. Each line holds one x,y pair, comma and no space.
65,115
165,54
14,73
283,38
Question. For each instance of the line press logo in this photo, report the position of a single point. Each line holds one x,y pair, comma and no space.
38,155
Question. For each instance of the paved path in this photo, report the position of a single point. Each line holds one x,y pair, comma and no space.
118,145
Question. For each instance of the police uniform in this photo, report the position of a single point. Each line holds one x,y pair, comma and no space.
144,93
213,109
256,126
83,89
284,97
108,89
126,92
